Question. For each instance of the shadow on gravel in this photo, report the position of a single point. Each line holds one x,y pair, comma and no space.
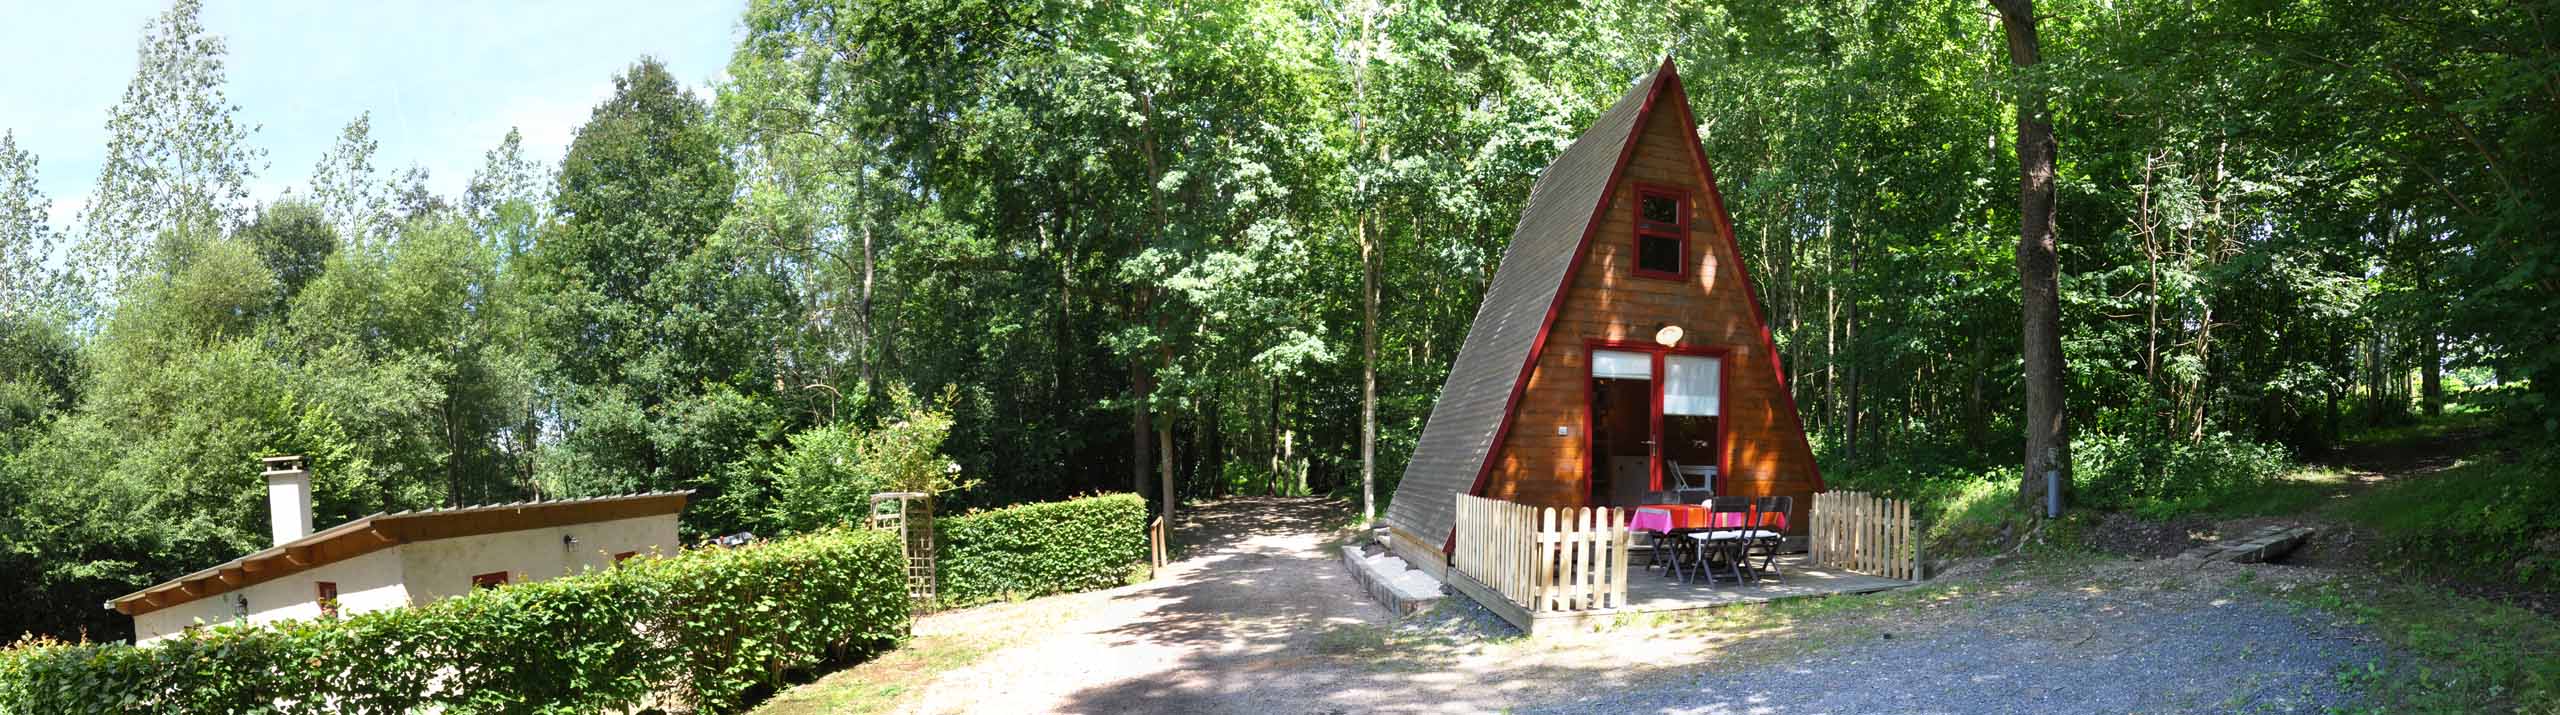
1272,625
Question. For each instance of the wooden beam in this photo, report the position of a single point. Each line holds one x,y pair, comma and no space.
191,588
231,576
298,555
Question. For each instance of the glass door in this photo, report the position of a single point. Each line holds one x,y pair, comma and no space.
1655,425
1692,404
1622,427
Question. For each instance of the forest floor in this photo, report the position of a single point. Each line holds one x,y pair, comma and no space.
1259,617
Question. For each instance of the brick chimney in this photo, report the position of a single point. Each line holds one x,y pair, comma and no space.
288,497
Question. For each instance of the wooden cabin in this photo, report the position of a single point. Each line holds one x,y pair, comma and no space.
1620,348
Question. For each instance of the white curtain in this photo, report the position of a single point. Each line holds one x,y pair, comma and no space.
1693,386
1621,365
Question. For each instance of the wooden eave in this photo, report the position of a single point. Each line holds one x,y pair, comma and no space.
381,531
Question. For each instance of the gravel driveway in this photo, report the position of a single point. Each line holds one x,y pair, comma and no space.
1258,619
2041,654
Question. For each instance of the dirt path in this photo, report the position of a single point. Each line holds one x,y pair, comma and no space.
1231,628
1259,619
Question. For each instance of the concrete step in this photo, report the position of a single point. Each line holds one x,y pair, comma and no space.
1403,589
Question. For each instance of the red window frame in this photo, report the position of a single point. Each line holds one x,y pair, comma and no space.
624,556
492,579
328,597
1724,386
1677,232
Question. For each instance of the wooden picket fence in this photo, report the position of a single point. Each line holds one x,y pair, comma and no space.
1863,533
1546,560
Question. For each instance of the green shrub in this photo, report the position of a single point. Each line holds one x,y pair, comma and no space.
2160,479
706,629
828,475
1040,549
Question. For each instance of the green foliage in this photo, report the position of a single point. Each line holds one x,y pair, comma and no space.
657,334
2496,517
708,629
294,241
828,474
1039,549
177,161
2452,653
27,284
2163,478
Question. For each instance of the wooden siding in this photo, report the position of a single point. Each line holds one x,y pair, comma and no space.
1765,450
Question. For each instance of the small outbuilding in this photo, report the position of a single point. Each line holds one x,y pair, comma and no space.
1620,355
393,560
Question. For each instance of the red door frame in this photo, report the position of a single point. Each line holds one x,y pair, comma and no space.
1724,385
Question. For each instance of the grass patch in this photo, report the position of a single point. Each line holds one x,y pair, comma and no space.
882,683
2294,492
2483,519
2460,418
2456,654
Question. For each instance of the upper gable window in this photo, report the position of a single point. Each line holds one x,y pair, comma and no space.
1662,232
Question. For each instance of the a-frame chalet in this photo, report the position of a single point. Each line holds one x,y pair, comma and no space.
1620,352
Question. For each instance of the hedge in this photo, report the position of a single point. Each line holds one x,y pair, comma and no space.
703,629
1040,549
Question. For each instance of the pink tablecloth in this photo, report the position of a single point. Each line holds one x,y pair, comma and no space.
1665,518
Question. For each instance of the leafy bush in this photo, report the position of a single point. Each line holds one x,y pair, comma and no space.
2159,479
1040,549
706,629
828,475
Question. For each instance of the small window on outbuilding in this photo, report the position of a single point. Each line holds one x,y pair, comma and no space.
1662,232
624,556
328,597
492,579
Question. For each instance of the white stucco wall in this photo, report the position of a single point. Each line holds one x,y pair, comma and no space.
421,572
371,582
444,567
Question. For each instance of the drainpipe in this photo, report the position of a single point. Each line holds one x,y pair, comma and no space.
2053,494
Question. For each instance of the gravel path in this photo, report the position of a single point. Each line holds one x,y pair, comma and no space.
2042,654
1260,619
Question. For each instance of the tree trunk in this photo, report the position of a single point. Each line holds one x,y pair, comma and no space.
1140,427
1164,467
1368,374
2039,265
862,311
1368,281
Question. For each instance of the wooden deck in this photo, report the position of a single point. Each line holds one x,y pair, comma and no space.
1655,591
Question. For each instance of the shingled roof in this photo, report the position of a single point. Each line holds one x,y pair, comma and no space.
1502,345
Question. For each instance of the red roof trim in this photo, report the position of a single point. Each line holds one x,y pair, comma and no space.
1741,268
1555,305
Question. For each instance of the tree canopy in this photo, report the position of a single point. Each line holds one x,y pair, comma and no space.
1176,247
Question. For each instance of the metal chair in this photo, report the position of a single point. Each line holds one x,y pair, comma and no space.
1769,537
1727,538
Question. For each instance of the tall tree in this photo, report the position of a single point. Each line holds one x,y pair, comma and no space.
662,335
348,190
2039,264
178,158
26,239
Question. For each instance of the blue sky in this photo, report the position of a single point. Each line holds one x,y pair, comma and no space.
444,80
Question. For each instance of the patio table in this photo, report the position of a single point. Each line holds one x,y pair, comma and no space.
1667,518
